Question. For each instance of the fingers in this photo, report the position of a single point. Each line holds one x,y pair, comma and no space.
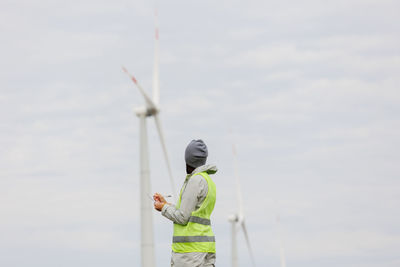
158,205
158,197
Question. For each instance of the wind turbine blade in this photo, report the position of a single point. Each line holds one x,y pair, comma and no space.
156,80
160,133
149,101
246,236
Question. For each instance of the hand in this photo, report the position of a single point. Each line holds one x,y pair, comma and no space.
159,201
159,205
158,197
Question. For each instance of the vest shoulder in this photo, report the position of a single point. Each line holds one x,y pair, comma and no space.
198,178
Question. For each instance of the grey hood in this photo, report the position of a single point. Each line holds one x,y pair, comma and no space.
209,169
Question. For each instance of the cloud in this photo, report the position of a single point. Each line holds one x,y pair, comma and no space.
309,90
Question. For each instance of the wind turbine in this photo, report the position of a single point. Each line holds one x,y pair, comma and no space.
150,109
281,247
237,219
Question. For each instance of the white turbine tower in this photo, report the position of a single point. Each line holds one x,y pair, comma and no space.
150,109
281,247
280,239
237,219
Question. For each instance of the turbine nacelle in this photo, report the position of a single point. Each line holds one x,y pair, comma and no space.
233,218
146,111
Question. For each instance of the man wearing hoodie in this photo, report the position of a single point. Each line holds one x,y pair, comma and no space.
193,242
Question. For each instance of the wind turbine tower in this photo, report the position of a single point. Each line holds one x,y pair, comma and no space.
150,109
237,220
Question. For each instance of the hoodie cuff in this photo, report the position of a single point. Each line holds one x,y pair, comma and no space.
164,208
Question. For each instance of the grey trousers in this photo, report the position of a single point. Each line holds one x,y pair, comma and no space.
193,259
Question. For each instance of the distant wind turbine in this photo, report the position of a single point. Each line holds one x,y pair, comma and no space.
150,109
281,248
237,219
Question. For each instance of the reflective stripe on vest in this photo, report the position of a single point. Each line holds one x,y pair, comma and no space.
197,235
185,239
199,220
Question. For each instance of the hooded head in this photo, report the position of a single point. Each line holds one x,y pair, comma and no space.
196,153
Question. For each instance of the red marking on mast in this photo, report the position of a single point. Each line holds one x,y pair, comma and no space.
133,79
157,34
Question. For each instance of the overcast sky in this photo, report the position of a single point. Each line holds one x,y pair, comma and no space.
307,90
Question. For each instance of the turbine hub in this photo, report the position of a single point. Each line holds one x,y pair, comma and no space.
233,218
146,111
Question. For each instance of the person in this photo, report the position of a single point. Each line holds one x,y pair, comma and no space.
193,242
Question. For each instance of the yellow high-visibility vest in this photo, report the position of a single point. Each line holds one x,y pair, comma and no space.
197,235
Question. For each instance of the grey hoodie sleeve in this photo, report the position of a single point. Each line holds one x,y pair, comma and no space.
193,195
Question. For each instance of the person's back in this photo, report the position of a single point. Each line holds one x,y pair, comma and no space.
193,242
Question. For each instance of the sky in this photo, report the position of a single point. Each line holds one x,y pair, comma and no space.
308,91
